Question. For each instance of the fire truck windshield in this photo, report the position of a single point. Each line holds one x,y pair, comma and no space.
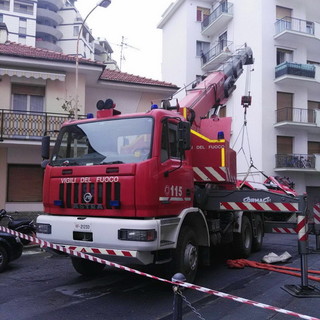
126,140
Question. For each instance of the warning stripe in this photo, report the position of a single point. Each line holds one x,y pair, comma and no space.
111,252
209,174
316,213
47,244
259,206
284,230
302,228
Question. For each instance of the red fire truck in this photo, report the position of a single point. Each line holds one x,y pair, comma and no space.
158,187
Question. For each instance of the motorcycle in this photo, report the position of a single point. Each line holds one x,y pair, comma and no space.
25,226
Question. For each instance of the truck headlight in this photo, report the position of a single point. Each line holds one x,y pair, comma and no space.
137,235
43,228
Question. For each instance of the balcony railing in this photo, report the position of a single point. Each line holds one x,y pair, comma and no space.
24,125
223,8
294,24
295,69
296,115
295,161
222,47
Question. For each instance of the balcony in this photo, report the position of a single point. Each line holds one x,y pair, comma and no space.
298,118
295,69
217,55
290,73
47,45
296,162
217,20
48,15
43,30
305,33
23,125
53,5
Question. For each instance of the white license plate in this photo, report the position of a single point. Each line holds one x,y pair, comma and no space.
82,226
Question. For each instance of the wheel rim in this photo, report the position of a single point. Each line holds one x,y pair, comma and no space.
191,257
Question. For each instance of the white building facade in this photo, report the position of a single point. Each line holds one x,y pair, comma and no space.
283,123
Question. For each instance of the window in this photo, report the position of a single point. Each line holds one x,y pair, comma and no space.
76,31
202,47
27,98
23,7
309,27
169,141
284,145
202,13
24,183
4,4
129,141
223,112
1,17
22,26
284,106
313,147
312,106
282,12
22,39
223,41
284,56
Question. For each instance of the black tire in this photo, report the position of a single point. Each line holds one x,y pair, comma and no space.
4,260
242,242
87,267
258,240
186,255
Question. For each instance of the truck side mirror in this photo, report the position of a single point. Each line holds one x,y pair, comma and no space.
184,135
45,147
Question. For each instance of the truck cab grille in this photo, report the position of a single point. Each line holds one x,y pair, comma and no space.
90,195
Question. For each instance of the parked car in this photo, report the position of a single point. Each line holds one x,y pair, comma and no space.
10,249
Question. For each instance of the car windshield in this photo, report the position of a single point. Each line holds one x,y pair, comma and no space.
125,140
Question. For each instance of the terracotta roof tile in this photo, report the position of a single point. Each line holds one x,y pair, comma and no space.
18,50
117,76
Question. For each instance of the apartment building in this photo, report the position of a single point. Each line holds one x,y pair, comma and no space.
283,122
53,25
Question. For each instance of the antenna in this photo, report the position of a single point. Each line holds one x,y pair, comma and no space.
123,45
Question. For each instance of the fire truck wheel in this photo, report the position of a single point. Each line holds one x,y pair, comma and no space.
258,240
3,258
86,267
186,257
242,242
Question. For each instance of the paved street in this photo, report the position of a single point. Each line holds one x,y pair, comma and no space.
42,286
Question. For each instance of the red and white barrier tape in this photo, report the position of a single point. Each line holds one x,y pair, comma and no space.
47,244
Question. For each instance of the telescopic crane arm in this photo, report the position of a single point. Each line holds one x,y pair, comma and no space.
216,88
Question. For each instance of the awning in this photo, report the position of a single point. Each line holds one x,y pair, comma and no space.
32,74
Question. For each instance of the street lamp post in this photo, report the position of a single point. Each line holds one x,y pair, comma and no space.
101,3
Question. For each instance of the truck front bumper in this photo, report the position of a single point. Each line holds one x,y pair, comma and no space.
103,237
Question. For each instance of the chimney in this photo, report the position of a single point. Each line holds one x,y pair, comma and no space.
3,33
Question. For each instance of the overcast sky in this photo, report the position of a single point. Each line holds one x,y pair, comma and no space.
136,21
